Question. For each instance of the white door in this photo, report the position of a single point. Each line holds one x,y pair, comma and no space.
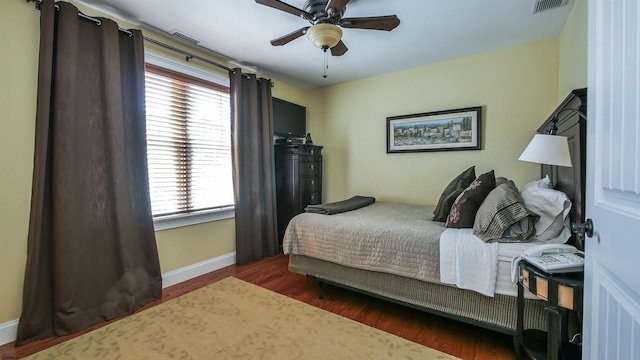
612,270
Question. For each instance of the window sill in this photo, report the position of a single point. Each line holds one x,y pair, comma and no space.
174,221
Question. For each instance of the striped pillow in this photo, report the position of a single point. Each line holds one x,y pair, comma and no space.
503,217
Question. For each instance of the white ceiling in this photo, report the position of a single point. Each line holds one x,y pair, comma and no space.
430,31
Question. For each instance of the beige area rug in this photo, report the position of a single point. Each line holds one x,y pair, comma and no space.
232,319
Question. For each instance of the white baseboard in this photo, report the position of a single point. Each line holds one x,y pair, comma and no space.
9,330
192,271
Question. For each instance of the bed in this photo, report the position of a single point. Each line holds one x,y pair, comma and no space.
393,251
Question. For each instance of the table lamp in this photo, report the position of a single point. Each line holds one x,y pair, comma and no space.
549,148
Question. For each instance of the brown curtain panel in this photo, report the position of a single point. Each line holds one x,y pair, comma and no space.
253,167
92,253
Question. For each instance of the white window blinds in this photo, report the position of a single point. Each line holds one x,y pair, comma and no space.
188,143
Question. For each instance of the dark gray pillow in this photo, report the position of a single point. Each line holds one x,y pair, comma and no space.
464,209
503,217
451,192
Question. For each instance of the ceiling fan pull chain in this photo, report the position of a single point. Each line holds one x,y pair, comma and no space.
326,63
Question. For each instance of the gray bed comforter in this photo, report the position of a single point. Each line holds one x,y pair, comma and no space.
387,237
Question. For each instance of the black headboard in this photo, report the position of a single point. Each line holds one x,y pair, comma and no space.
571,180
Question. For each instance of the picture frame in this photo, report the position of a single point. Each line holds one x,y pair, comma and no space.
447,130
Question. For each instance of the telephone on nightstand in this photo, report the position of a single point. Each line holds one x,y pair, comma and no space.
551,258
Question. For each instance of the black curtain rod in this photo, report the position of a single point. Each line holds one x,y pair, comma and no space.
188,55
38,4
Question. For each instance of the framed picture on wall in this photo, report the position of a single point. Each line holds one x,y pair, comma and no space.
458,129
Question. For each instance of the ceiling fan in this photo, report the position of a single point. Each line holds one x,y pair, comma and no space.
326,20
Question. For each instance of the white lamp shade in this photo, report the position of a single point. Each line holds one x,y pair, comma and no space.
324,35
547,149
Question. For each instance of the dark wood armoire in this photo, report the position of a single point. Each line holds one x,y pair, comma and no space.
298,180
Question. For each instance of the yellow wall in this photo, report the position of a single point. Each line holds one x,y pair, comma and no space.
19,36
517,88
573,50
19,33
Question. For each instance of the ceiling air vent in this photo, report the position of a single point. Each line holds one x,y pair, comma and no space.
542,5
184,37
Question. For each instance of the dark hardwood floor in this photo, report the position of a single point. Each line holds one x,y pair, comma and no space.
452,337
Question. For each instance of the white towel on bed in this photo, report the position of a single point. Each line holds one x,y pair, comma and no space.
468,262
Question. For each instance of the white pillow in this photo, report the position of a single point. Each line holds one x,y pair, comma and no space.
552,206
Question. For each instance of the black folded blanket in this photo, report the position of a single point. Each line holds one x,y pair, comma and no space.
355,202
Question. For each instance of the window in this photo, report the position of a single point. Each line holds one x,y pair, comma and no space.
188,145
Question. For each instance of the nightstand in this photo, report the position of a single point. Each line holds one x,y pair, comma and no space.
563,293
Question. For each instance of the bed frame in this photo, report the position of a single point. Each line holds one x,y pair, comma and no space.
571,180
498,313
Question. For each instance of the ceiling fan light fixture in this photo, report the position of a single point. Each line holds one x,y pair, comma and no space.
324,36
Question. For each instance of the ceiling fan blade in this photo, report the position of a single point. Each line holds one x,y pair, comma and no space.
276,4
339,49
336,5
387,23
289,37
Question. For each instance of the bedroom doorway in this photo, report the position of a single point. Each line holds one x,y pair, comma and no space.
612,302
